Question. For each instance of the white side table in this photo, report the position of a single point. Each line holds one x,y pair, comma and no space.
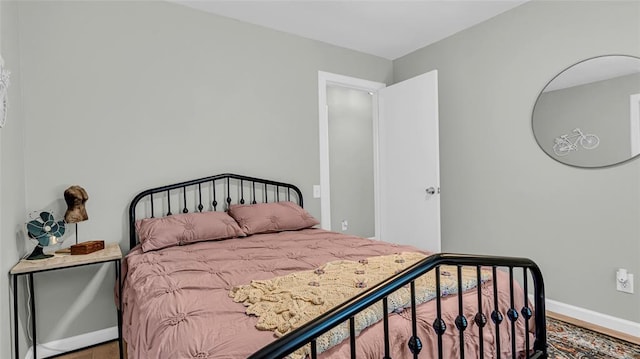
111,253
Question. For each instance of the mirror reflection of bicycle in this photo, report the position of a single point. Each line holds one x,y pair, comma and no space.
567,143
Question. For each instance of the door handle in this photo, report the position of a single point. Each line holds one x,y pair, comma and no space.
432,191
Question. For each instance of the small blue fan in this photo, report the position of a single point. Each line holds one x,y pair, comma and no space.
47,231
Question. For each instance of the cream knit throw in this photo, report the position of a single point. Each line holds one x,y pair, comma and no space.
288,302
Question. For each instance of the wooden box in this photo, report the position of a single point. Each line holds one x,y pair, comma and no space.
87,247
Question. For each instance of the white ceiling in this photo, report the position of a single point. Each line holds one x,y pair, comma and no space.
388,29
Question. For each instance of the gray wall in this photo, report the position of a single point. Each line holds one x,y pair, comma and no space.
12,178
123,96
501,194
600,108
351,160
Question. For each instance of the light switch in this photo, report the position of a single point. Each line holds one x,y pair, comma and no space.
316,191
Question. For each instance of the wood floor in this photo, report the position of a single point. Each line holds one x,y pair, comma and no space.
110,350
105,351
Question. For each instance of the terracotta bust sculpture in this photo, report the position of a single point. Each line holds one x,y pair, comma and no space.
75,196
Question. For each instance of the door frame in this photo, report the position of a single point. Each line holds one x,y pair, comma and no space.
325,79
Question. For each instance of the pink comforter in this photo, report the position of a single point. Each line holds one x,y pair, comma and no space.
176,303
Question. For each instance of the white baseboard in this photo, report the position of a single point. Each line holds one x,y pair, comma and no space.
590,316
72,343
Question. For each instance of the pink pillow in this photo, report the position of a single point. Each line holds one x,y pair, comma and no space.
184,228
271,217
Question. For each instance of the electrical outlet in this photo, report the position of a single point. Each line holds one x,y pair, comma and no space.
625,286
345,225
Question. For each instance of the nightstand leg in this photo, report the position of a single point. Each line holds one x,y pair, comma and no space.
119,281
16,349
33,315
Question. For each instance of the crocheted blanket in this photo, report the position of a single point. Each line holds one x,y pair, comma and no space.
287,302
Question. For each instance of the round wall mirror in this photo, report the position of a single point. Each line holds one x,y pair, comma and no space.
589,114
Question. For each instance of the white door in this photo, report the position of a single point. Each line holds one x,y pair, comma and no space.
409,163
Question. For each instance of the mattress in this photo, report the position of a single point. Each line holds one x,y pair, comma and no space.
176,300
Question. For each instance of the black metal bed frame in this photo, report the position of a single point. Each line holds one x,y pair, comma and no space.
308,333
193,190
346,311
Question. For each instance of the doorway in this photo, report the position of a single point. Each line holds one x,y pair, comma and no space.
336,170
406,183
350,114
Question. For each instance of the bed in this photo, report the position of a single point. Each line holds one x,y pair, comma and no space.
187,288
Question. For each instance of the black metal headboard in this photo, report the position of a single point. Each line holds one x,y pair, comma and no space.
214,193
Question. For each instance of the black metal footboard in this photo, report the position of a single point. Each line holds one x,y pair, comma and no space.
308,333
